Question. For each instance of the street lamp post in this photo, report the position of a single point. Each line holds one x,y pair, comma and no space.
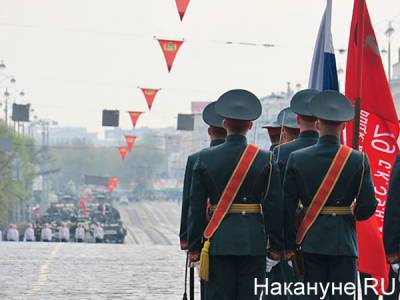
389,32
45,123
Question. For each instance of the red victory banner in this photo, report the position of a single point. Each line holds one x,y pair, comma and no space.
367,85
149,94
182,6
130,141
170,48
134,116
112,183
83,206
123,151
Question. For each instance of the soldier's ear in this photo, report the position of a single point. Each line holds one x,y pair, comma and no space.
224,124
250,125
317,124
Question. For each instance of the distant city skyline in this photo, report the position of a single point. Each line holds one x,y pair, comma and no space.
74,58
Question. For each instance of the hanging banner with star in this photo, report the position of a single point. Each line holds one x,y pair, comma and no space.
134,116
149,94
182,5
130,142
123,151
170,49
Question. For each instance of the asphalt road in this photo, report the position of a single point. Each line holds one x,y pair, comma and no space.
148,266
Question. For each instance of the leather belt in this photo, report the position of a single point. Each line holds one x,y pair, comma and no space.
336,211
241,209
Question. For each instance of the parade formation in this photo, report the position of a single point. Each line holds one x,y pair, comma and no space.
223,167
65,222
240,224
300,219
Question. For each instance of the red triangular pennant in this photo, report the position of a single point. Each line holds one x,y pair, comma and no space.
134,116
123,151
149,94
170,48
130,141
182,6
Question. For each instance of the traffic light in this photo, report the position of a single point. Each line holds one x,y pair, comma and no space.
110,118
185,122
20,113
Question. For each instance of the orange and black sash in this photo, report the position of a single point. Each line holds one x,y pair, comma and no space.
323,192
225,202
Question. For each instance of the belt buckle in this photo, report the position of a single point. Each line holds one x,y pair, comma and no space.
243,212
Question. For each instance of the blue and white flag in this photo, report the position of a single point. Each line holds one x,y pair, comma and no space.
323,74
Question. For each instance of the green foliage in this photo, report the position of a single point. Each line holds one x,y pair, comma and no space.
16,172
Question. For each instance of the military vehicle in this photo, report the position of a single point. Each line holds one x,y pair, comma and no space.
114,232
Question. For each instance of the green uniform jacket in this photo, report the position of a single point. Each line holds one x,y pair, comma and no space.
306,168
186,190
391,226
238,234
272,147
282,152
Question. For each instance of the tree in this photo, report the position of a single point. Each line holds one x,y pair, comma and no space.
16,174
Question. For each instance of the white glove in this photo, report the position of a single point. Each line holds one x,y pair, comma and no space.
396,267
196,266
290,263
271,263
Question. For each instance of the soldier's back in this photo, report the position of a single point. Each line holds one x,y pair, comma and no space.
282,152
331,234
238,234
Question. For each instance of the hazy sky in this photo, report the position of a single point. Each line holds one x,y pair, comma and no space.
76,57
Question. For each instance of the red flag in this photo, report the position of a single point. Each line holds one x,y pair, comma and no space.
112,183
123,151
182,6
170,48
83,206
134,116
149,94
130,141
379,130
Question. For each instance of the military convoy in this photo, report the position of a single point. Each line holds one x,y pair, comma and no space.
99,210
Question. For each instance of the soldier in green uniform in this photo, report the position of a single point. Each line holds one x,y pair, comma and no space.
391,227
237,248
327,178
274,130
217,136
290,129
298,115
299,105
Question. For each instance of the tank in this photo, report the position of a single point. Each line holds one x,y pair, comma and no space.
114,232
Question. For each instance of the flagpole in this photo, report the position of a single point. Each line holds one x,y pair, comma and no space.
357,104
360,52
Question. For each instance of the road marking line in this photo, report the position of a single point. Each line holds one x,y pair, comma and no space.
44,270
